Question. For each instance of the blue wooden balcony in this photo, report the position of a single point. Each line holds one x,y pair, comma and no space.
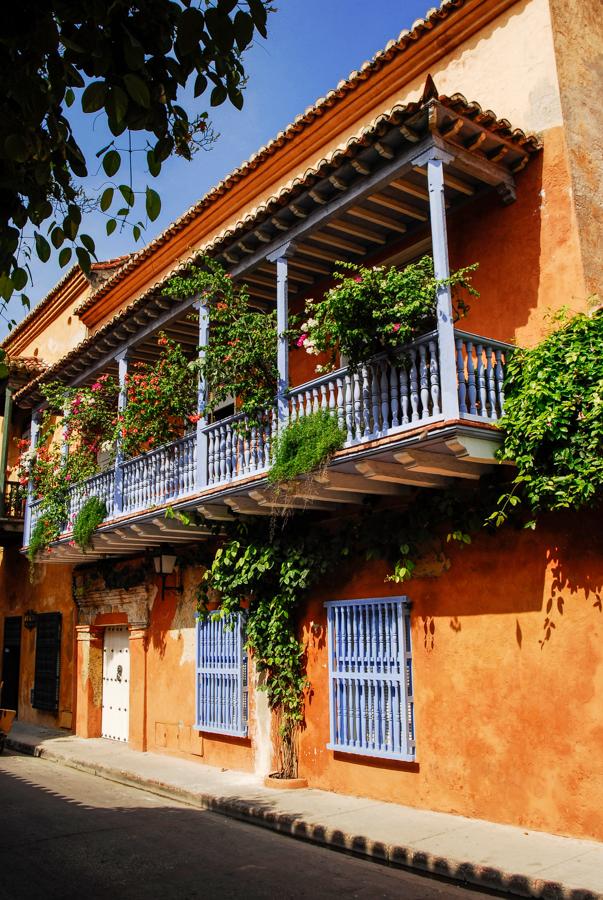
374,405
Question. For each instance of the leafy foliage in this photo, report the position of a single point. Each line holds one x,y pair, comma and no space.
131,61
161,398
239,359
91,515
305,445
373,309
553,421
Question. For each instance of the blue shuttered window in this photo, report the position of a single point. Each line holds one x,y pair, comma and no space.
221,688
370,675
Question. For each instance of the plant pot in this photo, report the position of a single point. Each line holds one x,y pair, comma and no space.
284,784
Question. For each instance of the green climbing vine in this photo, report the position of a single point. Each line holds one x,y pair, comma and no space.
305,446
553,423
90,516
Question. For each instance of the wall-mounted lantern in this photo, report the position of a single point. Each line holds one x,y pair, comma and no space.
30,619
164,566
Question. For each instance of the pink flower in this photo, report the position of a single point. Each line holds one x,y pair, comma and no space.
397,326
96,386
300,341
195,418
67,477
358,279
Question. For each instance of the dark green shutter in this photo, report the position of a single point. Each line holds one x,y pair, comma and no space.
48,662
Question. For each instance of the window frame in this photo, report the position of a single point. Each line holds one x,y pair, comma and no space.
204,670
403,745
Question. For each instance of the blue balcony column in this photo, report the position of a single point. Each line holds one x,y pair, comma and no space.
34,435
281,257
122,399
435,160
201,468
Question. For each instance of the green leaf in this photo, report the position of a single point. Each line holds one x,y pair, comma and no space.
16,147
88,243
136,232
200,84
42,247
153,204
94,96
243,28
153,163
106,199
111,162
65,256
111,226
259,15
19,278
57,237
127,193
69,97
117,105
190,30
218,95
138,90
83,258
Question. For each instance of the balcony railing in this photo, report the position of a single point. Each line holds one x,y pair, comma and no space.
380,398
14,504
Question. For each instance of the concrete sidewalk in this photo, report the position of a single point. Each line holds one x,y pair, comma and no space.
500,857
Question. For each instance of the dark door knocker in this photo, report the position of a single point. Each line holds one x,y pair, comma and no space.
119,673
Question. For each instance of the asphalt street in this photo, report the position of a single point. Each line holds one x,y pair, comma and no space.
66,834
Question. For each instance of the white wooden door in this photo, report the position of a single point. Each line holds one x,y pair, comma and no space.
116,684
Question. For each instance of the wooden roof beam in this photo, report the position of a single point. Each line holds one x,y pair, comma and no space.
452,182
377,219
364,234
334,241
403,208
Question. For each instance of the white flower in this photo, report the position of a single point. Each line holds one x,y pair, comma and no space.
106,446
311,323
304,326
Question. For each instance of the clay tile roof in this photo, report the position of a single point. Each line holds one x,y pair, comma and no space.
394,47
99,269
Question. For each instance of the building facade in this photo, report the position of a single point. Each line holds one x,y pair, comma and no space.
452,691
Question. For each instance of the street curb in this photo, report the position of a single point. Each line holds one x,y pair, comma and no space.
488,877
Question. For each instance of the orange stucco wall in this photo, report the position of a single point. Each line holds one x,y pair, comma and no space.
507,711
50,591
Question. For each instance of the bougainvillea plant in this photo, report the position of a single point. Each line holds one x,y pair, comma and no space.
239,360
375,309
161,400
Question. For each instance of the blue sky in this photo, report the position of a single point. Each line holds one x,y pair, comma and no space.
311,45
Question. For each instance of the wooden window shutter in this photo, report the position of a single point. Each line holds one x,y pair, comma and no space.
221,676
48,662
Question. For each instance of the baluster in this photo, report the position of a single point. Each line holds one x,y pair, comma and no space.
481,381
332,400
357,405
255,456
460,370
340,403
366,401
315,405
374,390
424,381
308,407
500,381
245,437
471,389
414,385
491,383
228,451
210,456
393,396
434,378
385,412
323,397
404,398
222,452
349,407
267,441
